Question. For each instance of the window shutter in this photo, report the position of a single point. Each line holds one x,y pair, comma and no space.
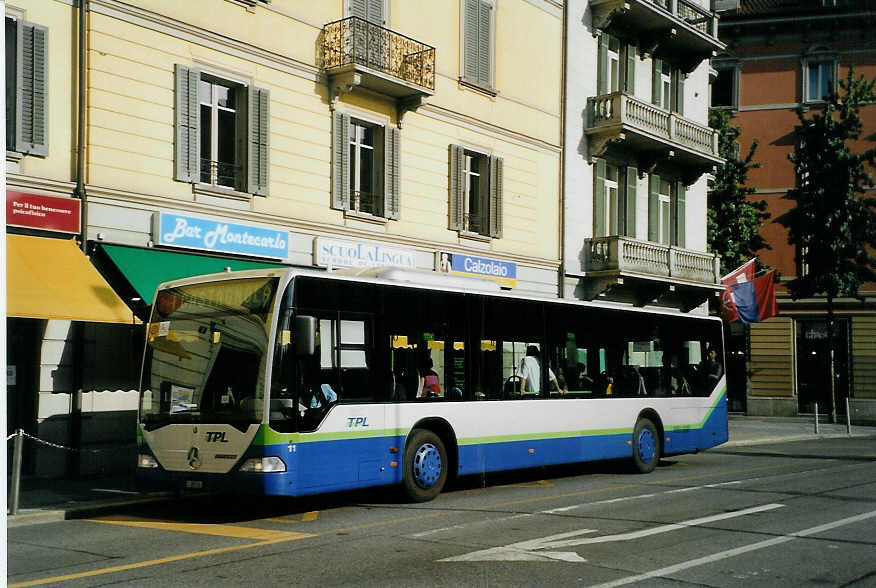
630,69
31,128
257,129
678,216
599,227
484,44
602,81
471,41
187,127
456,207
653,208
630,202
359,8
497,180
375,12
656,86
678,88
341,161
391,172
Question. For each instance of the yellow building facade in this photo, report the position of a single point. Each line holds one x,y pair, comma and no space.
319,133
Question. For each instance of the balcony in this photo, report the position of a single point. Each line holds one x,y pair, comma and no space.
628,270
680,30
356,52
652,134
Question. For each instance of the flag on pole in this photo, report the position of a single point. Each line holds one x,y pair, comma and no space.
755,300
744,273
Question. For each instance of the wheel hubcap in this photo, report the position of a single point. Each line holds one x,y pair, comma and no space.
647,445
427,465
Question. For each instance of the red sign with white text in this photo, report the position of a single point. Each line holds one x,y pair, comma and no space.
38,211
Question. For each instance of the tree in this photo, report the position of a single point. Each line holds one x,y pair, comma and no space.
834,219
733,218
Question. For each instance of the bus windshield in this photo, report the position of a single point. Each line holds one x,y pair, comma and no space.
206,353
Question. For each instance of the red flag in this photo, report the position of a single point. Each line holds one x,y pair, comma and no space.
755,301
744,273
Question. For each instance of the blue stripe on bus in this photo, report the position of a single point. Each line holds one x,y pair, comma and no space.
349,464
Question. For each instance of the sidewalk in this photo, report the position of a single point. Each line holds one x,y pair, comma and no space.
45,500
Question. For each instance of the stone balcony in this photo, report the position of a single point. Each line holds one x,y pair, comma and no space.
356,52
640,272
650,133
679,30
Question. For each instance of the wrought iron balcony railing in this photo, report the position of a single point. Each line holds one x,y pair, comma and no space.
354,41
625,254
221,173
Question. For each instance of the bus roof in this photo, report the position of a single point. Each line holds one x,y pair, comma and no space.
428,280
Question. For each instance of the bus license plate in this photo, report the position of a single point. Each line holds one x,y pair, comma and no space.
194,484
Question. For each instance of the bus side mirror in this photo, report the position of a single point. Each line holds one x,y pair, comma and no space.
305,335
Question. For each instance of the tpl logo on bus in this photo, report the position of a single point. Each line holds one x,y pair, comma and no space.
355,422
216,437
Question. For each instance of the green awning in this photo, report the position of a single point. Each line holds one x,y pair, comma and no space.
146,268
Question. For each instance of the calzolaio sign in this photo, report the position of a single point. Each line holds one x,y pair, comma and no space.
340,253
502,272
218,236
40,211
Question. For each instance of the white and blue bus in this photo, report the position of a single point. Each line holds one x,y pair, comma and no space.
288,382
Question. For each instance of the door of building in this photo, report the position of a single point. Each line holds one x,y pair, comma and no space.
813,365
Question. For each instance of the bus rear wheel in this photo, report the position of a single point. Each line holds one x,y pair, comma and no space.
424,469
646,446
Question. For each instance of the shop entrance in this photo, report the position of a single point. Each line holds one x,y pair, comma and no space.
23,339
813,365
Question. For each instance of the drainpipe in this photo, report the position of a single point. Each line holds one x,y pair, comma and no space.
562,216
79,191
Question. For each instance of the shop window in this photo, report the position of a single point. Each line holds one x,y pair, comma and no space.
26,87
365,167
476,188
221,132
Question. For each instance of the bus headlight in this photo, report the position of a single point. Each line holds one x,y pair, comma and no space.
263,465
146,461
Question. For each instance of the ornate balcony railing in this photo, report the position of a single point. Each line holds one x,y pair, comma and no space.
625,254
699,18
355,41
619,112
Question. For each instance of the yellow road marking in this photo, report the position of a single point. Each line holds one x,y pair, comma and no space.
536,484
202,529
303,518
296,536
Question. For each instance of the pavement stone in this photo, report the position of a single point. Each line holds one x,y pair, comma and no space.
43,500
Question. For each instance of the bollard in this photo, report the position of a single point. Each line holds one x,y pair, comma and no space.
816,418
848,418
16,471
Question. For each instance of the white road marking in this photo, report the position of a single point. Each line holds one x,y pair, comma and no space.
663,572
526,550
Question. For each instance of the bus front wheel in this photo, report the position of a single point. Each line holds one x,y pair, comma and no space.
424,469
646,446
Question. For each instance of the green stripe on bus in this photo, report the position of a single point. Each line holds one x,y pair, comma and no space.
542,436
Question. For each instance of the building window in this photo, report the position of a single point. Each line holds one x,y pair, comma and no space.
666,211
365,167
614,200
667,86
725,88
616,65
478,37
475,192
26,87
819,80
221,132
370,10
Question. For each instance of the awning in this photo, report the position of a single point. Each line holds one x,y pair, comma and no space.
145,269
52,279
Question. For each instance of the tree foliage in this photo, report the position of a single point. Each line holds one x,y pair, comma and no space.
733,218
834,219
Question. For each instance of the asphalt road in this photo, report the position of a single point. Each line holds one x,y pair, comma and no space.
792,514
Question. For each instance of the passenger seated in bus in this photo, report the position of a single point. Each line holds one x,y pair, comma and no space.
710,370
530,373
430,386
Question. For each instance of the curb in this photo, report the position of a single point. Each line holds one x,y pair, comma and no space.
802,437
36,516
